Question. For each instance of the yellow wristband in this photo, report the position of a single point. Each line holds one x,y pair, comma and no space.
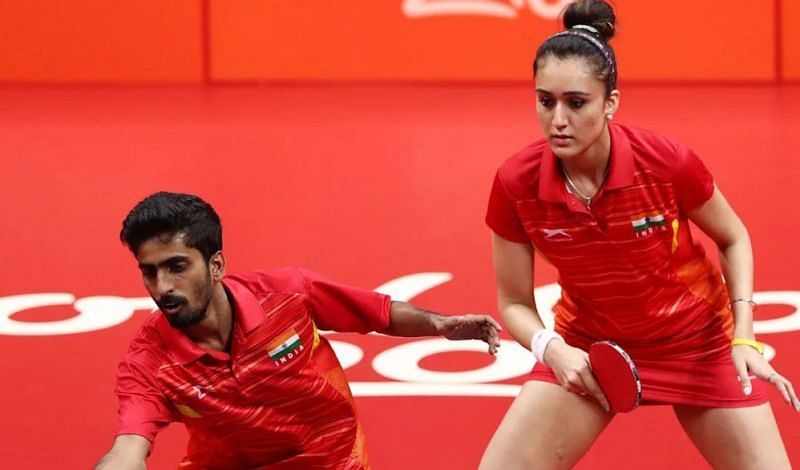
748,342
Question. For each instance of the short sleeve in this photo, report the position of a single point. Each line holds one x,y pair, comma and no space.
339,307
692,181
143,409
501,215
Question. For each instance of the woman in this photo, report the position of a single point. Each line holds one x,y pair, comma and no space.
609,206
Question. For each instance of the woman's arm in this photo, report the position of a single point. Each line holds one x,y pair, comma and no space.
128,452
513,266
717,219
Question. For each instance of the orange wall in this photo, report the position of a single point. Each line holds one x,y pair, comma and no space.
790,15
373,40
729,40
100,40
253,40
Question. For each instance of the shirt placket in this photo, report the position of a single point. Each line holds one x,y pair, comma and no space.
590,216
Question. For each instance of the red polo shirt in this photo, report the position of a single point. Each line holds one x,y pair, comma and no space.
278,400
629,267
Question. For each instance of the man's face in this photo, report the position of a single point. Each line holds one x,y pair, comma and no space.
177,278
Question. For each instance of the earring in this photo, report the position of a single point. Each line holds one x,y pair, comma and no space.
610,116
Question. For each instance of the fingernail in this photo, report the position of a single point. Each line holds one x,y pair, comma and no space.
748,391
797,407
607,408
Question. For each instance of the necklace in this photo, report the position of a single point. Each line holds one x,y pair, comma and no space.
571,187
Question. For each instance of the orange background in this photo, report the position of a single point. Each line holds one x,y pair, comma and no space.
372,40
790,13
263,40
100,40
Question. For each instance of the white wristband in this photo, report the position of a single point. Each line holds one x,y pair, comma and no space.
540,341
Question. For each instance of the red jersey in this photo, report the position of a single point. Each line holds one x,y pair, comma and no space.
278,400
628,266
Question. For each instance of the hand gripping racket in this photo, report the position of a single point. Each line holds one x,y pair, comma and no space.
617,376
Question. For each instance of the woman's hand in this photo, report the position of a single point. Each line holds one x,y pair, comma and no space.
748,360
572,369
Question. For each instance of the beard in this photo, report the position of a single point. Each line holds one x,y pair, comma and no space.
188,315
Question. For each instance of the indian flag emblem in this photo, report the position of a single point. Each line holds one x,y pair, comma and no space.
284,346
645,223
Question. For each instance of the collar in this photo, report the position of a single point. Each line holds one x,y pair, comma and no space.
247,314
620,173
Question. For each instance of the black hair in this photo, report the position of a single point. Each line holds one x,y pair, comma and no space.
166,215
580,42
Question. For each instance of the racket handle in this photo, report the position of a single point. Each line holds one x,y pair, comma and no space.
539,343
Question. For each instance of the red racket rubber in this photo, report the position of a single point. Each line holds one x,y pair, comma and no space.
617,376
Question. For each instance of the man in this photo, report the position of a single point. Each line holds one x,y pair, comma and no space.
239,359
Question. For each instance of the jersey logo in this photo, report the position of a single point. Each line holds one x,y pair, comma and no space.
556,234
285,347
201,393
647,224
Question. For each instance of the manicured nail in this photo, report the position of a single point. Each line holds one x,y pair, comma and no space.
797,407
748,391
607,408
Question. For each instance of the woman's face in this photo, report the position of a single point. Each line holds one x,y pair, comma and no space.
571,105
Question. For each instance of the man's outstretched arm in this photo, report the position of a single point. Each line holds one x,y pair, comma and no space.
408,320
128,453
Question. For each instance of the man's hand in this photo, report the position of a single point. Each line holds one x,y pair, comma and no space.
482,327
408,320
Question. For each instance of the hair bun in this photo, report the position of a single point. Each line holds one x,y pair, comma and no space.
595,13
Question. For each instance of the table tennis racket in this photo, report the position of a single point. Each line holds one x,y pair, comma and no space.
617,376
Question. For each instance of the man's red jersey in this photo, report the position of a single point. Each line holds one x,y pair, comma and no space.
279,399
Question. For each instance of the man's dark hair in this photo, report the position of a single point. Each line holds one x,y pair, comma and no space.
166,215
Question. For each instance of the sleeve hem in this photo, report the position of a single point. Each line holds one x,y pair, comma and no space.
150,436
386,313
708,191
507,235
501,216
